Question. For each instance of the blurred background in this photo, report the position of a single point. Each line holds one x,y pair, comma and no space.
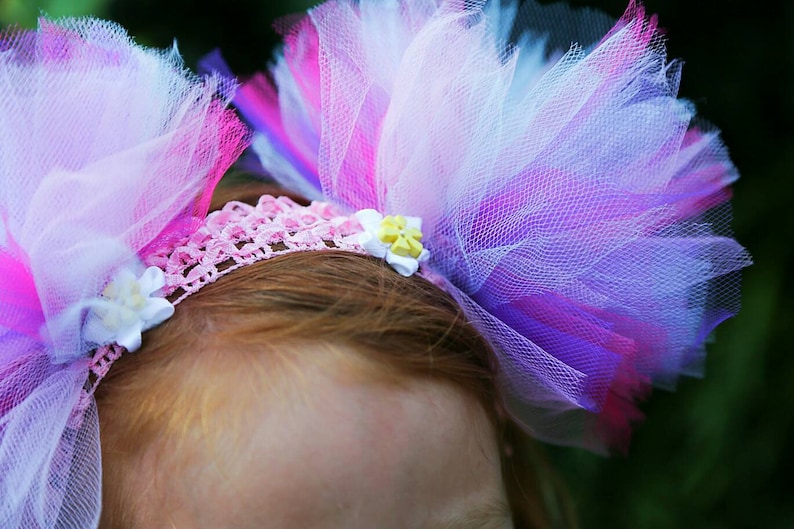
717,453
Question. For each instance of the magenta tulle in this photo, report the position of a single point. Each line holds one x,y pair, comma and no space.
22,309
574,210
256,99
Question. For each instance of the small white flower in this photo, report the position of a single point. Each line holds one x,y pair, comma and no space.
128,306
394,238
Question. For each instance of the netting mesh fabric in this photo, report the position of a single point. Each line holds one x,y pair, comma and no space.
108,152
577,213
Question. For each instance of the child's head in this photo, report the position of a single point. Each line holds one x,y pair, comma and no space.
317,389
555,214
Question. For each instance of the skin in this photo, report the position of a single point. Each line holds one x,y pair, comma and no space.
332,449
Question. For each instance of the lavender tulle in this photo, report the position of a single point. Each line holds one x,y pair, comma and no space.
575,211
108,151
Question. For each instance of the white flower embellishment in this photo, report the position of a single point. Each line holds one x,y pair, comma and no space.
128,306
395,238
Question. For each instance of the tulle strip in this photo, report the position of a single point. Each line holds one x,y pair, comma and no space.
49,459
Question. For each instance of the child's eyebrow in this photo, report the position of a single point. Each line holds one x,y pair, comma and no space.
492,514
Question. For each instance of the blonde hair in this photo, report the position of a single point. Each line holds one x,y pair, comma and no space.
399,327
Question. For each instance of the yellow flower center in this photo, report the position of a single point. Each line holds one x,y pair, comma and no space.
404,241
127,295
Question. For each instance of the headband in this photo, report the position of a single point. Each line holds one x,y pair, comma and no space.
562,197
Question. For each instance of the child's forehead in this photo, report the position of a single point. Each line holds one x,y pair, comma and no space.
342,452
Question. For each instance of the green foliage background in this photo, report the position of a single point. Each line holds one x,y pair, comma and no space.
717,452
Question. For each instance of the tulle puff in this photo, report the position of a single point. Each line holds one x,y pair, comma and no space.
108,151
565,194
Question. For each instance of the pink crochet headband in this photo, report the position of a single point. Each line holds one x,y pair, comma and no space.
240,234
235,236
